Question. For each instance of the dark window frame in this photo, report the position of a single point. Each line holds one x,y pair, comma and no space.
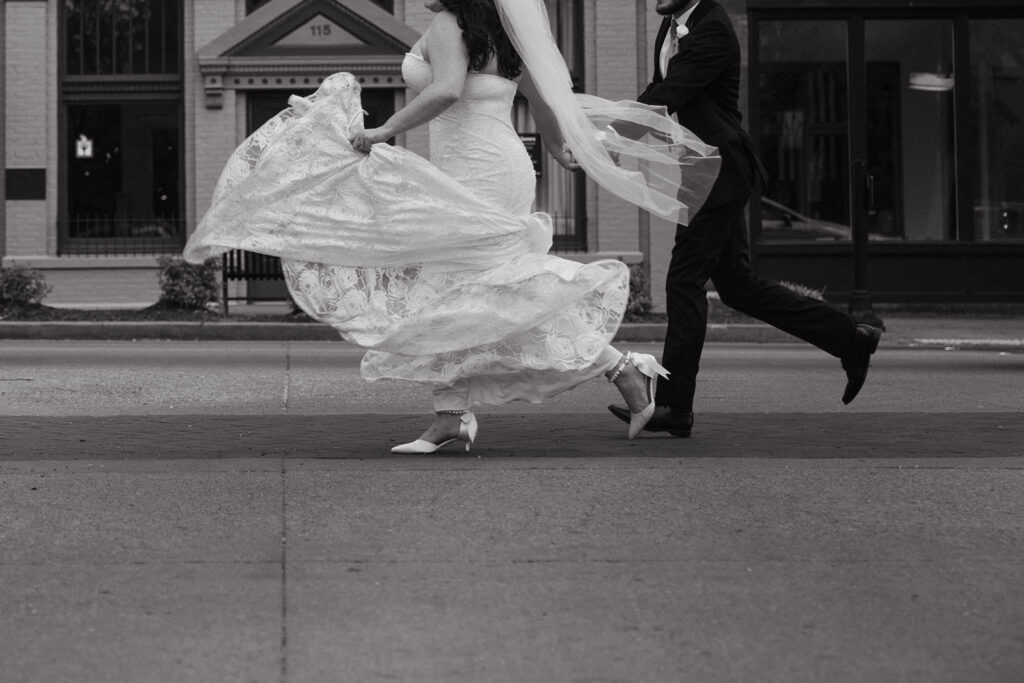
577,240
117,88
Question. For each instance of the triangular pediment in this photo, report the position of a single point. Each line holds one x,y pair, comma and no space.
320,31
296,44
297,28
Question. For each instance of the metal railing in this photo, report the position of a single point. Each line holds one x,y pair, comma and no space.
112,236
570,232
99,235
238,264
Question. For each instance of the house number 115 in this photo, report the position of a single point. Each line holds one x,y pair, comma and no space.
320,29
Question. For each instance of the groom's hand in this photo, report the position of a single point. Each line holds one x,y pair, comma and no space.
566,160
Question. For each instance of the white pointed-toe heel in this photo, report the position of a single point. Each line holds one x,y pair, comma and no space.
651,369
467,433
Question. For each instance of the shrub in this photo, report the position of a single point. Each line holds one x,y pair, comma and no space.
639,304
804,290
22,287
183,285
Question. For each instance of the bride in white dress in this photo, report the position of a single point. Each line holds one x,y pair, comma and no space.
439,269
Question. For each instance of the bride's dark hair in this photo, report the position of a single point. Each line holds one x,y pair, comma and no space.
484,36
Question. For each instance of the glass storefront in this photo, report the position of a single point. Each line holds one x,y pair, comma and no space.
893,136
909,129
997,98
909,120
804,131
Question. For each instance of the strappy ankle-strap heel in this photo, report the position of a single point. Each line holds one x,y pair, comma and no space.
467,433
651,369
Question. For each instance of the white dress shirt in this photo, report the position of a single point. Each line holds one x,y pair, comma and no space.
671,46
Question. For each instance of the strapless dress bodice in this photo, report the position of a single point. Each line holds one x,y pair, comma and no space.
474,141
487,94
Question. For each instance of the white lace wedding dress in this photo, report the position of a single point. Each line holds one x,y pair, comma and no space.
438,268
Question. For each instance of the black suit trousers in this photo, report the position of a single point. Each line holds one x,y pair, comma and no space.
715,246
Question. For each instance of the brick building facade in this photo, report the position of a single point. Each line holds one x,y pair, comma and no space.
234,57
886,125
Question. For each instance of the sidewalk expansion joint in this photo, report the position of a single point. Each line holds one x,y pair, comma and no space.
284,573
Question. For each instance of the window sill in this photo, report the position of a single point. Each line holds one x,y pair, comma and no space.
80,262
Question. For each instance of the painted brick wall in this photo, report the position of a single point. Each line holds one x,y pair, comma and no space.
103,286
26,228
615,79
213,131
27,119
96,281
210,18
215,140
26,62
53,146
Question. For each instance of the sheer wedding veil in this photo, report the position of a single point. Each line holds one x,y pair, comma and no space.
633,150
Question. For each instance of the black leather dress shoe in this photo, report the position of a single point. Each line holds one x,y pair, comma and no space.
857,359
665,419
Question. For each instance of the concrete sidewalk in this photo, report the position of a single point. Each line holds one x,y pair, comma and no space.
286,548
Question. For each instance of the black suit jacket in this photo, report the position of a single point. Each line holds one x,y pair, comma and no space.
702,88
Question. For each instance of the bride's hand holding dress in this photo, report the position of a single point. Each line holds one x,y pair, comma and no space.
449,63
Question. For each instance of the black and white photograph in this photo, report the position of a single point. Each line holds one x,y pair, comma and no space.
473,341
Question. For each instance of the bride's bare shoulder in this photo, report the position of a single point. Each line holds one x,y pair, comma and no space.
444,25
443,28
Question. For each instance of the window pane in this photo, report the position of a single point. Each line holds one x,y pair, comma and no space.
112,37
123,162
910,129
997,70
804,136
564,17
560,193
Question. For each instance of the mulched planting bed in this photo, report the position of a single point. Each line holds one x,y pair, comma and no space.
153,313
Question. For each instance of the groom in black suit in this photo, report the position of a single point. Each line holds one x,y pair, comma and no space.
697,77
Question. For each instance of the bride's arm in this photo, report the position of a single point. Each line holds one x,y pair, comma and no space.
547,123
449,62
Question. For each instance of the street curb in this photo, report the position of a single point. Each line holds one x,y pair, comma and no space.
267,331
184,331
738,333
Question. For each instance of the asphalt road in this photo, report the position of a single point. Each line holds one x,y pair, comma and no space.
229,512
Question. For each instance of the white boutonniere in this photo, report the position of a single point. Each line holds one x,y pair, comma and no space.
682,31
